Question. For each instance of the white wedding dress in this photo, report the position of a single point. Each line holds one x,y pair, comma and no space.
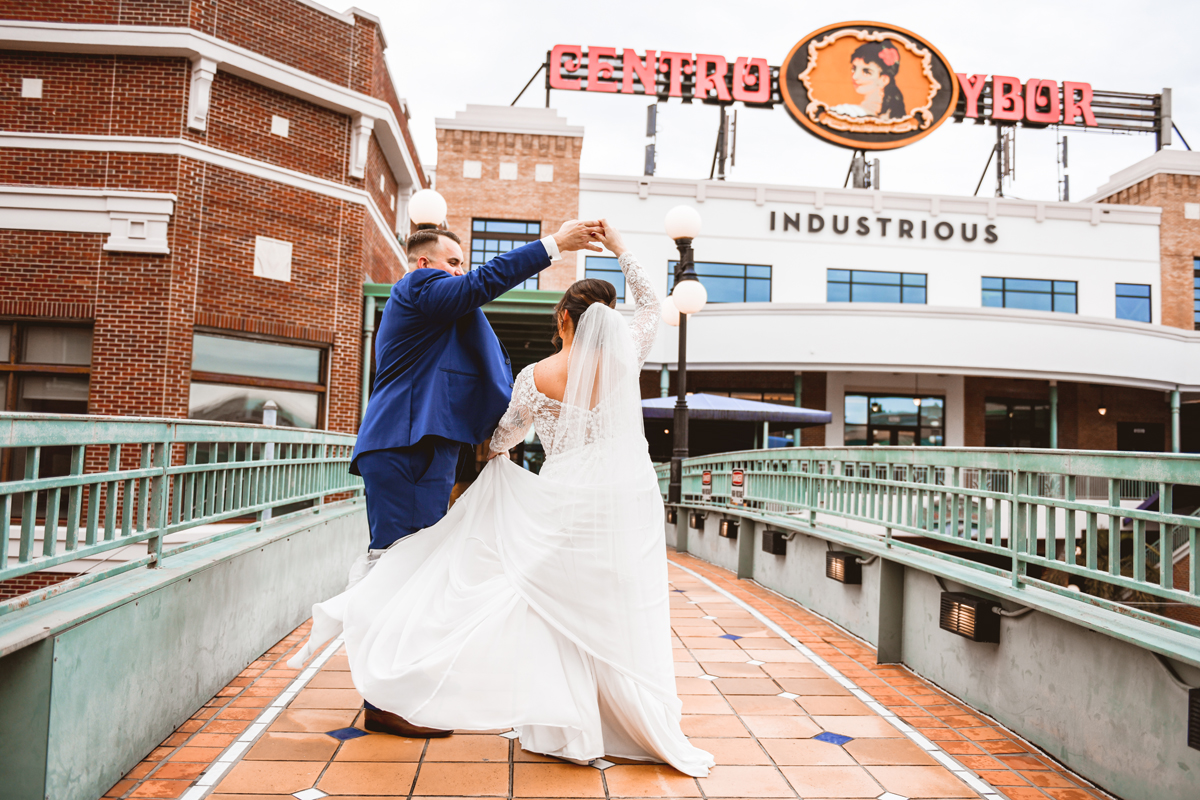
539,602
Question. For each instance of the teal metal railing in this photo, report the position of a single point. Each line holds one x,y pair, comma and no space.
1032,516
111,482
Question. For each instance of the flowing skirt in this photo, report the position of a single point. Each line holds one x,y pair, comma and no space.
539,602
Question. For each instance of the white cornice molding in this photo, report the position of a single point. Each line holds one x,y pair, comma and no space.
1171,162
208,155
136,222
870,201
146,40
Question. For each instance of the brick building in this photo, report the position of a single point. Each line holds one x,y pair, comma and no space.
194,194
501,168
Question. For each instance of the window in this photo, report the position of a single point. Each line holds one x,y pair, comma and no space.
1196,293
866,286
232,379
1133,302
606,269
1033,295
1016,423
730,283
44,368
894,420
491,237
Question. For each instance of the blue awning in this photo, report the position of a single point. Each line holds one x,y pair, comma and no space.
732,409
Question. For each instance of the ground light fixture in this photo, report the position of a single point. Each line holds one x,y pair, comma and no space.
671,516
843,567
1194,719
729,528
427,209
970,617
697,520
774,542
682,224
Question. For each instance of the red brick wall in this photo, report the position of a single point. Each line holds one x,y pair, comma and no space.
550,203
239,122
1180,239
126,12
98,95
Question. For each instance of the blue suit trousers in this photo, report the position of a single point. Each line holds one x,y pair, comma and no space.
408,488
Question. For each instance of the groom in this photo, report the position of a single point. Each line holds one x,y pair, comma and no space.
442,379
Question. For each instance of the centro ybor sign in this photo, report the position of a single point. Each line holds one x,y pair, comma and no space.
862,85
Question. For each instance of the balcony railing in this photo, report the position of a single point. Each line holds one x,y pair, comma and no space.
122,481
1065,522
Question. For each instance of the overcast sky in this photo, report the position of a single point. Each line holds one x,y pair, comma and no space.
445,55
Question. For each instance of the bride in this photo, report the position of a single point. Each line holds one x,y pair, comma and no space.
539,602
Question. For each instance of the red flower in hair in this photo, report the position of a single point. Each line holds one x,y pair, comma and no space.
889,56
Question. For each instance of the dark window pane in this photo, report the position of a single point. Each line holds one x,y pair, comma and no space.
724,290
856,435
838,293
1134,308
1028,300
255,359
993,299
45,344
914,294
873,293
1133,290
868,276
1024,285
52,394
731,270
856,409
245,404
758,291
5,342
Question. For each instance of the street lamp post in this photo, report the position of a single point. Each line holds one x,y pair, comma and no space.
688,296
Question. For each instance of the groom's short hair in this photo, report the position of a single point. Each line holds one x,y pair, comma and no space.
425,240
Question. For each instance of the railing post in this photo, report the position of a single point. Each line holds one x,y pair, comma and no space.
1175,434
270,415
160,460
1016,524
368,343
1053,415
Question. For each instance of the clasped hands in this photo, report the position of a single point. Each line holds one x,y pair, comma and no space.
588,235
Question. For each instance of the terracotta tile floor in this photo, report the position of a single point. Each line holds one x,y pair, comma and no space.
814,717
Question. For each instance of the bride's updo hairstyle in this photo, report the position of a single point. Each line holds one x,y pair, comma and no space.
577,298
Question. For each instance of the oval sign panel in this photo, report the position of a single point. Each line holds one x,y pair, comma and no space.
867,85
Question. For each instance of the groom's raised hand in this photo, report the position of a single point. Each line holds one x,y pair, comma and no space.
579,235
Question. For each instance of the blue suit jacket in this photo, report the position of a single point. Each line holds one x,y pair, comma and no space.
439,368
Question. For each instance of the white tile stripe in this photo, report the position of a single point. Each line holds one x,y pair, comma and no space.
982,788
208,779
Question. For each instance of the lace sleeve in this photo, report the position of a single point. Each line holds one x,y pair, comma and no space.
644,325
519,416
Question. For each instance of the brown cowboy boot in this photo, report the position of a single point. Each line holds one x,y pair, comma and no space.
379,721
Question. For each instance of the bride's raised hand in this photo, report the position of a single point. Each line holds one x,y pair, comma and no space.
610,237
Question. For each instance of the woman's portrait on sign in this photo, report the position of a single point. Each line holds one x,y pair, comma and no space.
868,82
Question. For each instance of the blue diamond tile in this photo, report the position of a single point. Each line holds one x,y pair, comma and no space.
677,590
833,738
346,734
730,637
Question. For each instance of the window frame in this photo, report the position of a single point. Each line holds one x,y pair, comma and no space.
222,378
901,286
745,278
1148,298
1053,293
485,235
